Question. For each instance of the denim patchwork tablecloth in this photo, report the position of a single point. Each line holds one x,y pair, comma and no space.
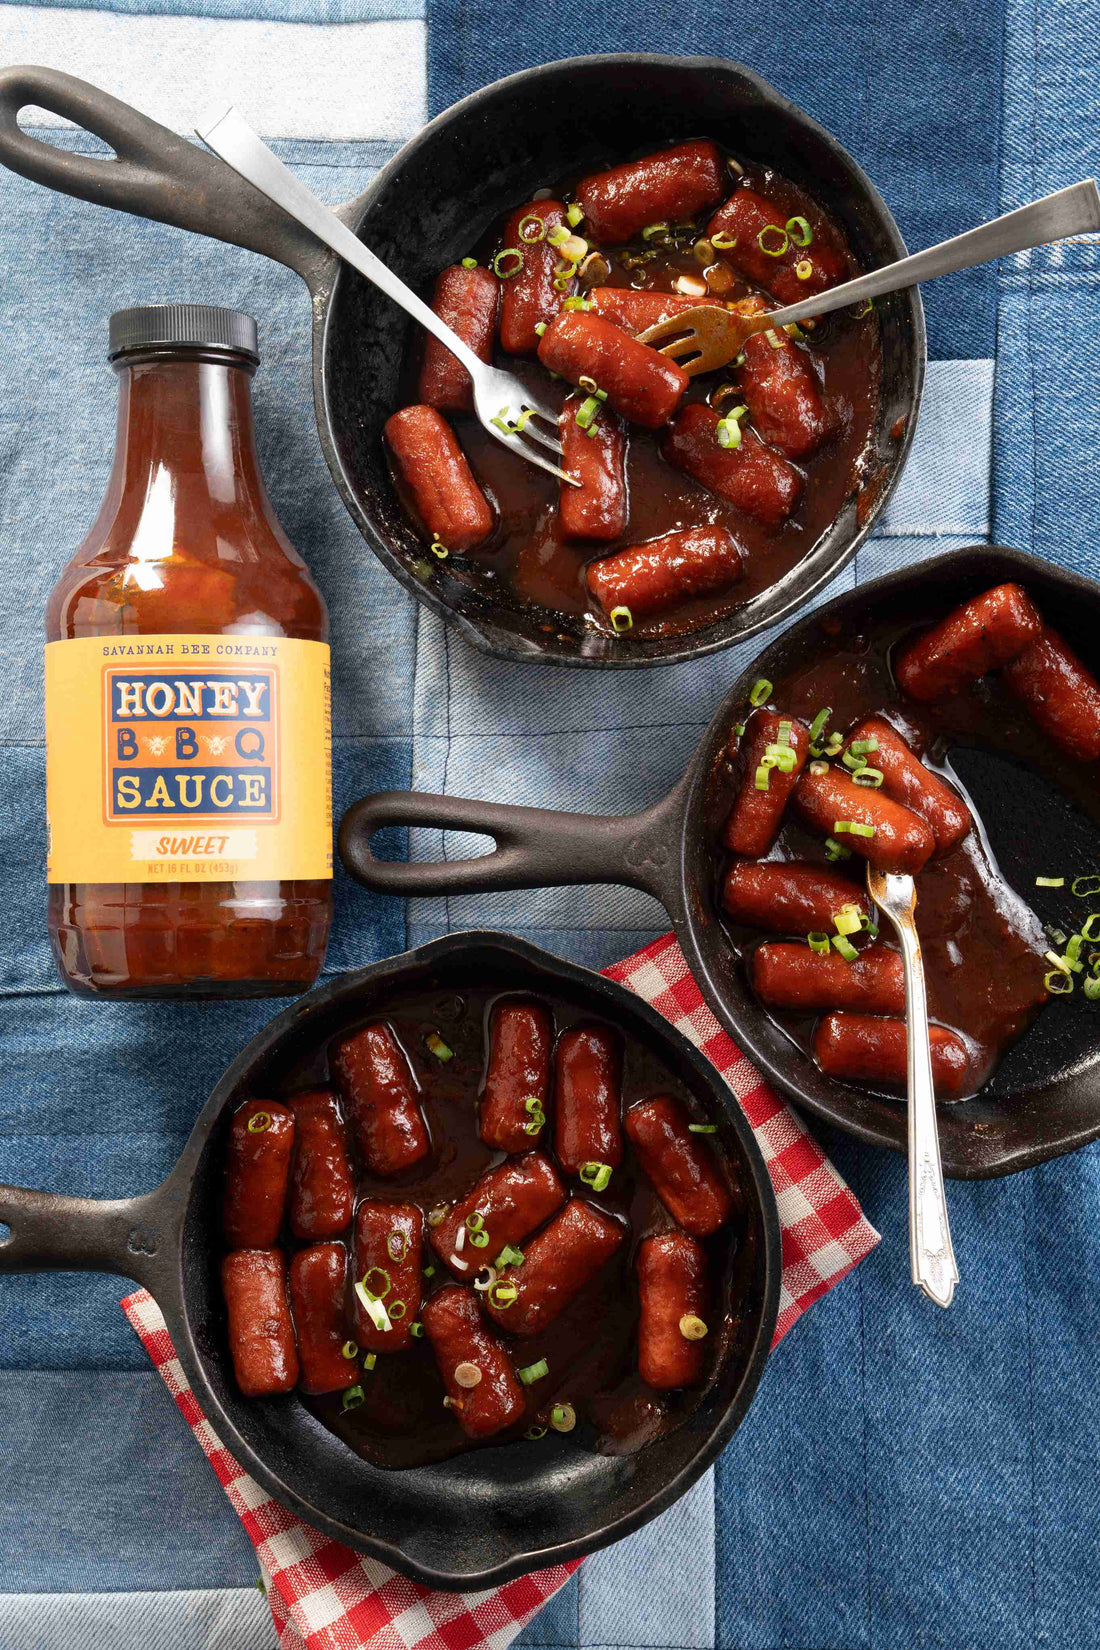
907,1477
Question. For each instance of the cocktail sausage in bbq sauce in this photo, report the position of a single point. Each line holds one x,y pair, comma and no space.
988,631
318,1278
642,385
322,1188
668,186
865,1048
757,813
596,455
681,1167
521,1038
906,780
782,393
751,477
644,578
466,300
789,897
375,1078
901,842
588,1098
793,976
672,1285
529,298
635,310
389,1255
557,1263
506,1204
1060,693
438,478
462,1344
756,226
257,1169
261,1334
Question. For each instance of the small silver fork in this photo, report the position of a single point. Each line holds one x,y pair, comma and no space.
504,405
931,1257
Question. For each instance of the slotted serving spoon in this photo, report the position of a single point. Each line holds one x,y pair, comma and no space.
505,406
708,337
931,1257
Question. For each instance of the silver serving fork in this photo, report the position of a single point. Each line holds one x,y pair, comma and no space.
931,1257
504,405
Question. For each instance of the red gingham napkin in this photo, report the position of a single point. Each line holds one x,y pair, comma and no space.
325,1597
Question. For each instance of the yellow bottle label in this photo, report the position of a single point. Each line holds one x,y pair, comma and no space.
188,758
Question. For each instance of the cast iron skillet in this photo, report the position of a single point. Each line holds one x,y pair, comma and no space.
490,1514
1044,1098
426,208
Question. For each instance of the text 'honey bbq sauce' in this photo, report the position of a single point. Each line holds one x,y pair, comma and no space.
187,696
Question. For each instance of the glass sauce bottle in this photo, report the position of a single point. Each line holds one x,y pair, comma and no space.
187,714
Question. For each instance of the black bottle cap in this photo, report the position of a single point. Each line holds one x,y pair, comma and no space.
194,325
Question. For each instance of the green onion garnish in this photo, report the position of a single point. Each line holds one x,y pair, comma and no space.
836,850
373,1307
474,1222
588,411
429,1272
847,920
596,1175
469,263
540,328
799,231
702,1128
1091,987
439,549
692,1328
535,1433
845,947
370,1360
438,1215
398,1245
502,258
833,744
819,943
503,1294
783,757
803,269
819,767
349,1350
377,1294
533,1372
578,302
652,229
259,1122
1085,935
1084,886
760,692
853,827
621,619
509,1257
563,1417
1050,882
397,1311
817,726
778,248
480,1240
573,215
353,1397
869,777
1058,984
1059,962
704,252
728,429
416,1329
539,231
761,779
863,747
852,762
722,241
557,235
865,308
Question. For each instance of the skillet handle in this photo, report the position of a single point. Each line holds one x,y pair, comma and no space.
535,847
131,1236
154,172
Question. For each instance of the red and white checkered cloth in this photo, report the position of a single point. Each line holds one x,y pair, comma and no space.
325,1597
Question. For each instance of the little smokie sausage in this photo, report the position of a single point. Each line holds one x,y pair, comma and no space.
906,779
635,311
375,1077
984,633
759,255
757,813
257,1169
588,1098
668,187
466,1352
596,455
645,578
901,840
529,298
864,1048
440,482
389,1255
521,1037
679,1165
261,1334
322,1188
1060,693
788,896
317,1284
466,299
751,477
641,383
557,1264
672,1296
782,393
505,1204
793,976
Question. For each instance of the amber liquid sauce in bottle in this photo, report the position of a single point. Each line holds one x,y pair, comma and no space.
186,543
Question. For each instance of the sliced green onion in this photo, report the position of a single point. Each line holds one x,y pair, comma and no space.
1059,984
760,692
783,757
378,1294
370,1360
692,1328
259,1122
819,767
774,251
353,1397
557,235
503,1294
777,340
1050,882
1085,935
761,779
784,731
398,1245
819,943
847,920
588,410
416,1330
1084,886
804,234
722,240
621,619
397,1311
596,1175
373,1307
474,1222
438,548
1073,949
1091,988
702,1128
871,778
469,263
869,925
577,302
803,269
438,1215
728,428
845,947
533,1372
574,214
817,726
540,328
836,850
429,1272
502,258
540,229
833,744
703,252
563,1417
480,1240
509,1256
853,762
535,1433
853,827
863,747
1059,962
652,229
349,1350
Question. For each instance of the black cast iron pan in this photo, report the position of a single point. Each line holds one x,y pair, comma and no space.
434,200
1043,1099
479,1518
